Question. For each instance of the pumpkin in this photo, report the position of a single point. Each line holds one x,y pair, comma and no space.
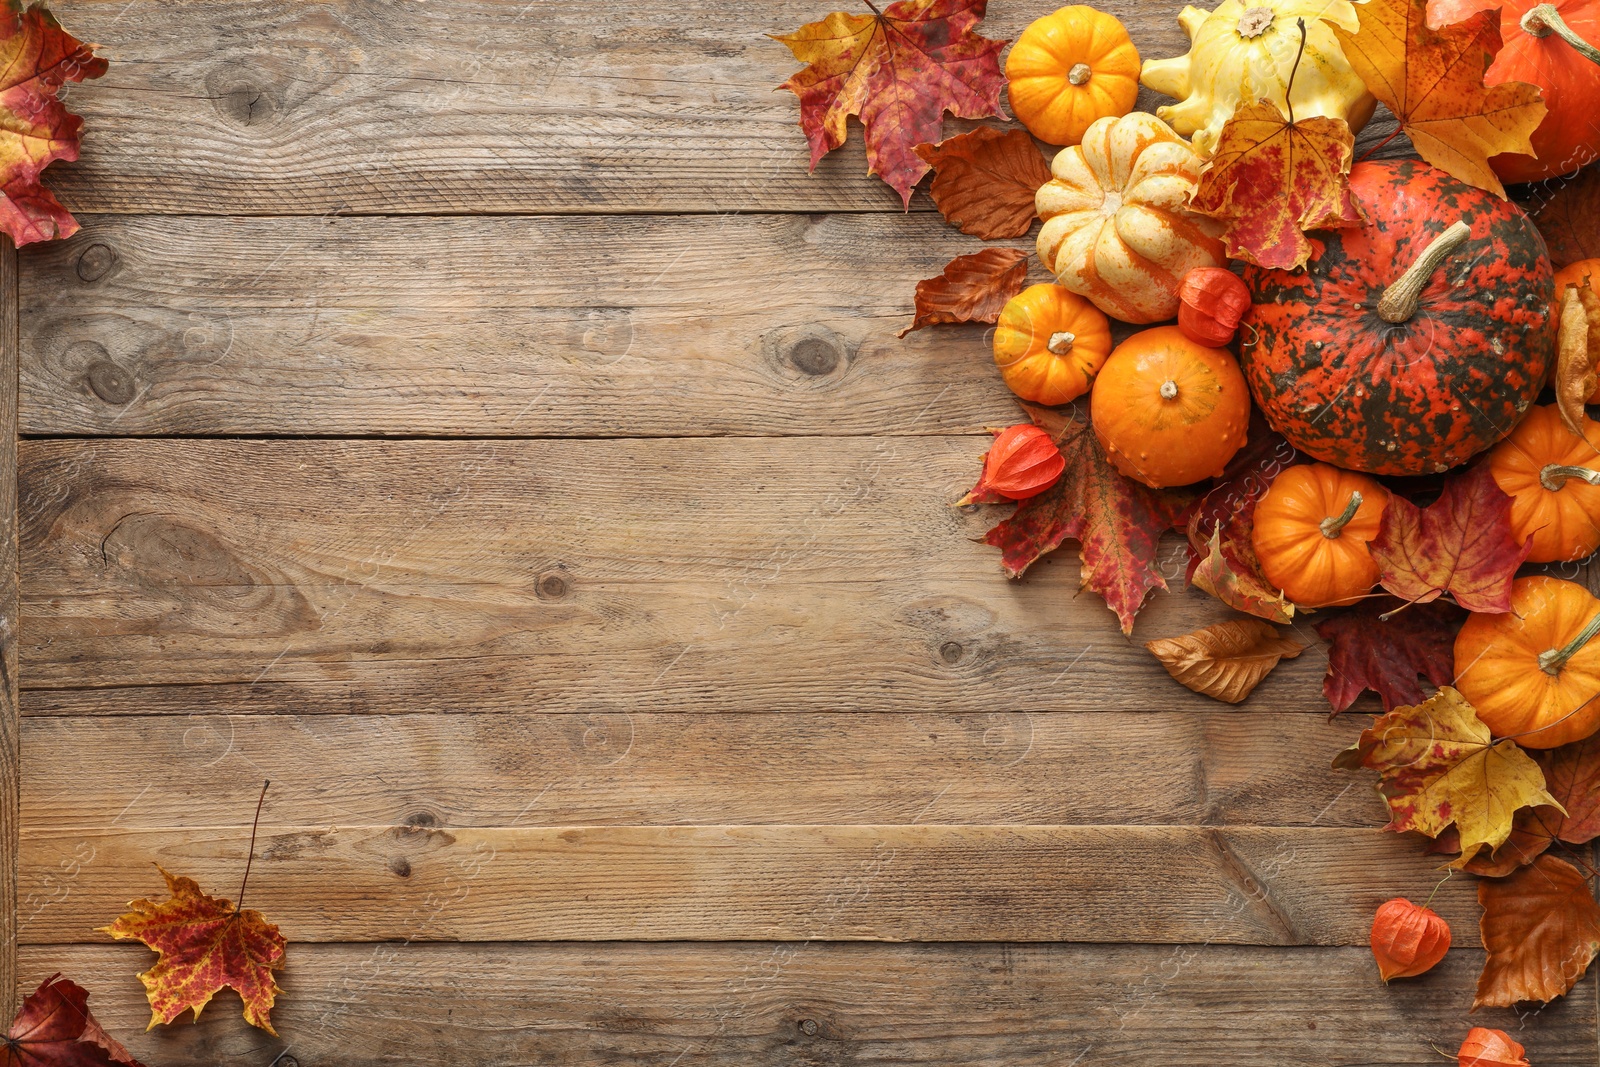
1544,43
1049,343
1068,69
1407,939
1553,479
1586,273
1533,673
1168,411
1311,530
1412,341
1244,52
1116,228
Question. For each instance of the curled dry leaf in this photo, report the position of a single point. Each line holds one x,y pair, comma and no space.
204,945
1438,766
1541,929
1484,1047
1226,660
1387,655
1269,180
1222,559
1577,355
1433,82
1460,544
973,288
899,72
54,1029
984,181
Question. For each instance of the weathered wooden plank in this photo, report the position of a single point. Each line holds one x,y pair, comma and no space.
10,721
1228,885
788,1005
750,325
1202,767
593,576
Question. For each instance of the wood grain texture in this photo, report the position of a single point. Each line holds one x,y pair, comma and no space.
791,1005
588,576
1205,767
10,713
925,882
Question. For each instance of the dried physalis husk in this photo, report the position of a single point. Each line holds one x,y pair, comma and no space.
1577,353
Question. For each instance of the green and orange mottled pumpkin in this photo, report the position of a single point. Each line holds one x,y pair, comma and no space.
1411,342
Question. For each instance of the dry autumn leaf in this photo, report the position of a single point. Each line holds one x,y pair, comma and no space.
1461,544
1569,216
1438,766
1572,776
1225,660
899,71
38,57
984,181
1433,82
1577,355
972,288
1541,929
54,1029
1222,560
1368,651
1270,179
1117,522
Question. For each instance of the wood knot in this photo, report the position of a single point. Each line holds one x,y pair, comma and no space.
421,819
401,866
96,261
245,105
811,354
951,652
808,1027
551,586
110,382
814,356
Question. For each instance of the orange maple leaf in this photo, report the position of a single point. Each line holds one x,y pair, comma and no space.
1271,179
204,944
37,57
1433,82
899,71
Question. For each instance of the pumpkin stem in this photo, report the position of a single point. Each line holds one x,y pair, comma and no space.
1552,660
1399,301
1543,19
1331,525
1169,390
1079,73
1061,343
1253,22
1555,475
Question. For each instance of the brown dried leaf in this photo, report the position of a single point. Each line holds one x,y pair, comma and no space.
1541,929
1577,355
1569,217
972,288
1226,660
984,181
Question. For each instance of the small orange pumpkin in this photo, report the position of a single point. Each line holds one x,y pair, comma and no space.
1553,479
1533,673
1070,68
1168,411
1311,530
1049,343
1584,273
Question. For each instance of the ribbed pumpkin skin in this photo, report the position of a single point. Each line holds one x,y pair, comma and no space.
1421,396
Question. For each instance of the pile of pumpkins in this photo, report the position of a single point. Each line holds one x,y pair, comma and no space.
1407,345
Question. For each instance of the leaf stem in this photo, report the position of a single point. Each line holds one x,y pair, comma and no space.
1288,88
1399,301
1543,20
238,908
1331,525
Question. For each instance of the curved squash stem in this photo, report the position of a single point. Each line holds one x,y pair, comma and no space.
1331,525
1543,20
1399,301
1552,660
1555,475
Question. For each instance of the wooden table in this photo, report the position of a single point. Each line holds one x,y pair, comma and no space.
472,416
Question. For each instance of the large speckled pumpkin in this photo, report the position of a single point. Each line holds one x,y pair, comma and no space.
1411,342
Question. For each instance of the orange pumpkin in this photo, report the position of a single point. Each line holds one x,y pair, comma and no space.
1049,343
1584,273
1068,69
1533,673
1551,477
1311,531
1168,411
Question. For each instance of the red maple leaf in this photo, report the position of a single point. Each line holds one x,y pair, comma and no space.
899,71
37,57
1367,651
54,1029
1461,544
1117,522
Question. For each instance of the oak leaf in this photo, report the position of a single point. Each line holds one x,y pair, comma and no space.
1222,559
972,288
54,1029
1541,929
1569,216
1433,82
204,944
1227,659
1270,179
37,58
1461,544
984,181
1438,766
1387,655
1577,355
1117,522
899,72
